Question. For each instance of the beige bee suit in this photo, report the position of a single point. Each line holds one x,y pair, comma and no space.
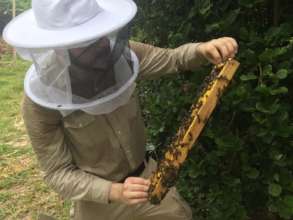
82,154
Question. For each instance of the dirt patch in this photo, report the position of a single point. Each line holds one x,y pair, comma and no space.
15,166
19,143
4,48
19,124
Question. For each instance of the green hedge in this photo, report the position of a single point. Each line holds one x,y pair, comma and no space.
241,167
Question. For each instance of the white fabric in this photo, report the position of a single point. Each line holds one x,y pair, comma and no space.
65,13
25,53
60,99
27,29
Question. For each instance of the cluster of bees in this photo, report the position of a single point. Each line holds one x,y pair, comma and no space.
168,168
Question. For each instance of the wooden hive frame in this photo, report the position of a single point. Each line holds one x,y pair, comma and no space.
177,152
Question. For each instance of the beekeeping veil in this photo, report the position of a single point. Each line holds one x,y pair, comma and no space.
80,53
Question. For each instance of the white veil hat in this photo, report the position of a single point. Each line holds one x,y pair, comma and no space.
62,23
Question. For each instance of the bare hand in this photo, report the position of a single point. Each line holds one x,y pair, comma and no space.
218,50
132,191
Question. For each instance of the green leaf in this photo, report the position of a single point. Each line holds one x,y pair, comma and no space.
279,91
263,89
253,173
259,118
248,77
279,52
288,200
268,109
275,190
282,74
205,7
212,27
268,71
266,55
279,156
276,177
248,55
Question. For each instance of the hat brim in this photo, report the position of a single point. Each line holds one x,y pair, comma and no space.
23,31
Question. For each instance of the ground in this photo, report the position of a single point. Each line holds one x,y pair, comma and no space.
23,194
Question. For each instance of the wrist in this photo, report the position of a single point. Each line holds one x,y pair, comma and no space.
200,53
115,192
199,50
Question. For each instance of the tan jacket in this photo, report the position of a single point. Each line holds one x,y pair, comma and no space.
82,154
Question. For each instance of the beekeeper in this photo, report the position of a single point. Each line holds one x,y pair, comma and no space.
80,107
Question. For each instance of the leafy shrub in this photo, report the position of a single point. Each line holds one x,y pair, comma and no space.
241,167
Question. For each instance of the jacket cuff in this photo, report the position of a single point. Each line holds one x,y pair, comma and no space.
100,191
190,58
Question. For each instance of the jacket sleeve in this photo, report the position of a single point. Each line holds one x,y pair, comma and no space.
45,130
155,61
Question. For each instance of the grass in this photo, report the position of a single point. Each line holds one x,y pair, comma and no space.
23,194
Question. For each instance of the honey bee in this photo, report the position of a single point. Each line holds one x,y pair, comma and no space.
224,78
190,137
